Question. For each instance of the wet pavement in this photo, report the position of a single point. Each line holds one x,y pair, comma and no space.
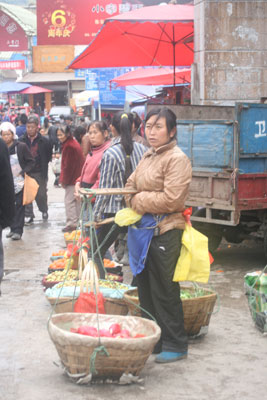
228,363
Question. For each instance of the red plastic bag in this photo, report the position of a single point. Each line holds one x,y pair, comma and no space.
86,303
90,301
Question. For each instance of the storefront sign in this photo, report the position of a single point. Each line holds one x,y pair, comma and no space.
99,79
13,37
52,58
13,64
75,22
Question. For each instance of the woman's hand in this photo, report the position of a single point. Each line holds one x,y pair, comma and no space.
76,190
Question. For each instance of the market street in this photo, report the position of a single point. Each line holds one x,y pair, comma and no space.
230,362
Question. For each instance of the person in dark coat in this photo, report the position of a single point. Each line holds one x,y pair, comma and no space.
7,198
21,161
41,151
72,160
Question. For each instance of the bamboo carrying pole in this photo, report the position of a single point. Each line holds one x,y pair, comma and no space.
107,191
103,222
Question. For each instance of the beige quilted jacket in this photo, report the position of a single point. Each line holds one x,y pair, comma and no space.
162,180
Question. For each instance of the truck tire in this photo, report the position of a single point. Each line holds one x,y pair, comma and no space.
212,231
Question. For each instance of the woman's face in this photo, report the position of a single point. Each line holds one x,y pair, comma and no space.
7,137
157,133
61,136
96,136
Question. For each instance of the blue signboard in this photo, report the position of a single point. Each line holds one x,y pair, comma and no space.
99,79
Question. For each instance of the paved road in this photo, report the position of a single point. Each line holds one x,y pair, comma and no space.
229,363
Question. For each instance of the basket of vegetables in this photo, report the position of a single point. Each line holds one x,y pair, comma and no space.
198,304
101,346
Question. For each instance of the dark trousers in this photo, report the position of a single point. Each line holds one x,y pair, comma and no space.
102,233
18,220
1,258
41,197
159,295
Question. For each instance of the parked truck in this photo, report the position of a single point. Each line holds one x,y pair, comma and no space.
227,147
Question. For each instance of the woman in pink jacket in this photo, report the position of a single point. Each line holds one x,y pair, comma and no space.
99,139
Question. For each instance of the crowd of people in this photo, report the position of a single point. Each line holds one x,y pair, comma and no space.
111,155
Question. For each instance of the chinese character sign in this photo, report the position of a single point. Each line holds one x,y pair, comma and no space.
12,36
75,22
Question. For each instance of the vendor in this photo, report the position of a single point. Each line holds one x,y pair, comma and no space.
162,181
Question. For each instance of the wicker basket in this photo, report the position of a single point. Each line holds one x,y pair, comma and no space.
90,281
132,301
115,306
124,355
197,311
112,306
64,304
49,284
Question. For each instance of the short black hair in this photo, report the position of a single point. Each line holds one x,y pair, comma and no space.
33,120
23,119
68,118
79,132
166,113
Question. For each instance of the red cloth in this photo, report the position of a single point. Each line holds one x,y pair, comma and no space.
72,161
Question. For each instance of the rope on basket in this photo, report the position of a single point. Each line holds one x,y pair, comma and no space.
88,200
197,287
69,266
101,349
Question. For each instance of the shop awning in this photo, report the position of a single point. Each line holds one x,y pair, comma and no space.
37,77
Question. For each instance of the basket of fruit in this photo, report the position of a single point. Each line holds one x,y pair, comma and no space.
57,265
198,304
112,267
126,343
57,255
72,237
58,276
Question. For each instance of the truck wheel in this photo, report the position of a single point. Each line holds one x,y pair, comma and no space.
212,231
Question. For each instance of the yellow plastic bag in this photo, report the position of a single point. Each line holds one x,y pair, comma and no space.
194,261
126,216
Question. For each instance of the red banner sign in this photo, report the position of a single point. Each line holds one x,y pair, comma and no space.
13,37
13,64
75,22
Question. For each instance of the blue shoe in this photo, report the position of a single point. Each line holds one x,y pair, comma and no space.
170,356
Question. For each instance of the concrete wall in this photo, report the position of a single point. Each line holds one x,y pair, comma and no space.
230,51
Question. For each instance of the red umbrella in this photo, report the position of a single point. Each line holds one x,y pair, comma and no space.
156,35
153,76
35,89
